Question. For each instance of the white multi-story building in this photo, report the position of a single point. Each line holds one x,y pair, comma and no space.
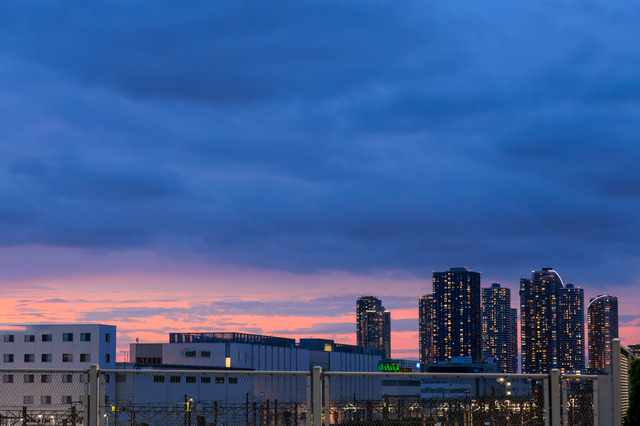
44,366
240,351
55,346
255,352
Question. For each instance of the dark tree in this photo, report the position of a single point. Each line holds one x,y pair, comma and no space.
632,418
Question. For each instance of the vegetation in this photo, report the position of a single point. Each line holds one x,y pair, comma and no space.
632,418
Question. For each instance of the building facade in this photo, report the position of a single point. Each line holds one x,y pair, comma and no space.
602,314
244,352
373,325
58,346
571,329
462,387
497,327
539,321
255,352
45,365
514,340
458,319
426,322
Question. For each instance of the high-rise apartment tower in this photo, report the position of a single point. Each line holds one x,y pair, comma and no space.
426,323
458,320
539,321
373,324
551,324
497,327
602,315
571,334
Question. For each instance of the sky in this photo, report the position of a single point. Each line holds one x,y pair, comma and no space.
256,166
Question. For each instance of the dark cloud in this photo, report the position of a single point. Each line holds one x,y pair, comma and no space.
326,136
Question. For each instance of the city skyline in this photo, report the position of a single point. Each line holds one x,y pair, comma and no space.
255,167
341,330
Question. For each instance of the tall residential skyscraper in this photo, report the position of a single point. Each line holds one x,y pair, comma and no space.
373,324
602,314
571,333
426,322
539,321
514,340
458,320
497,326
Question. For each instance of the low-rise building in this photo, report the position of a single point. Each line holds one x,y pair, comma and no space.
471,387
43,364
241,351
257,352
55,346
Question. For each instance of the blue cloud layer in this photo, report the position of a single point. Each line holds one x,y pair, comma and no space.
327,135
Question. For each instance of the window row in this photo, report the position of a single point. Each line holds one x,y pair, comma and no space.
46,399
49,358
194,354
66,337
188,379
44,378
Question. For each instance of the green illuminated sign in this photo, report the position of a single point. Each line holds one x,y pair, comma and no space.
388,367
393,367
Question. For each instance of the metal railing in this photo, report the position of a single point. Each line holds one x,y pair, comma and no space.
436,398
204,397
151,397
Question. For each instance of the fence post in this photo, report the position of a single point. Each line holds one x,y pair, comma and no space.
616,374
85,398
555,397
309,407
94,396
545,398
317,396
596,403
565,402
327,401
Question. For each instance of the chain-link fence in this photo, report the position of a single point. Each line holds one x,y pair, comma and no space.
43,397
204,398
578,400
250,398
434,399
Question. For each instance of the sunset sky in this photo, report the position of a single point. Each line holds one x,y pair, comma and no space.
255,166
